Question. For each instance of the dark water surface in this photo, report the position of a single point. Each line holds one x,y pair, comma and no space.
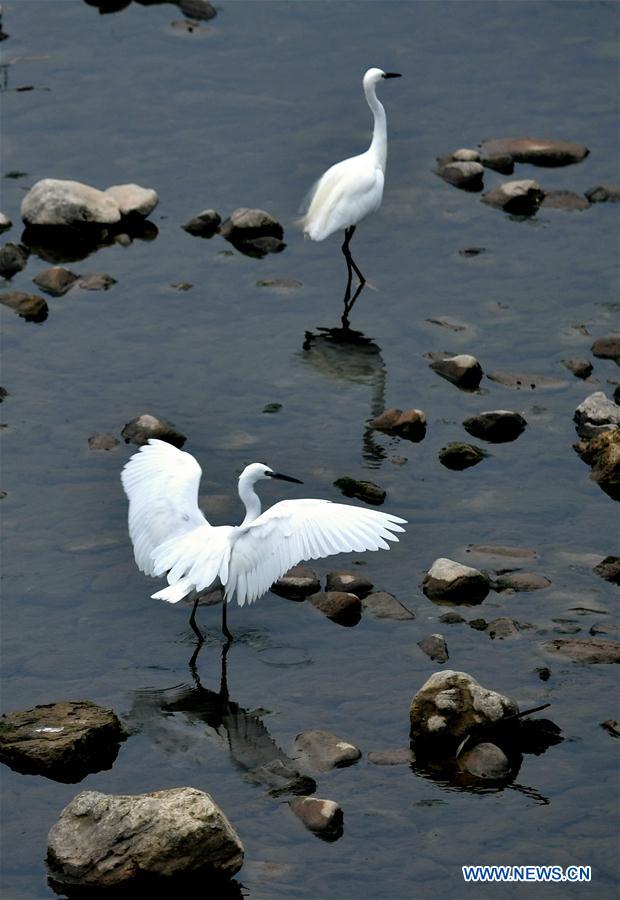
247,111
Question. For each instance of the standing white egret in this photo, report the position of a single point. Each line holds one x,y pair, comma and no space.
352,189
171,536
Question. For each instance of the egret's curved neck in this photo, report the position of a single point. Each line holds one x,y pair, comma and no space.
249,498
378,145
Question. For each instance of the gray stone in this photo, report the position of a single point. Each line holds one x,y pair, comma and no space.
199,10
581,368
280,285
450,581
350,582
596,414
108,841
449,324
55,281
607,347
463,370
205,224
13,258
450,705
496,426
499,550
521,198
320,751
246,224
529,380
30,307
502,628
609,569
344,608
5,222
55,202
612,727
536,151
133,200
593,651
435,647
101,441
385,606
604,193
465,174
297,583
451,618
466,155
64,741
316,814
521,581
566,200
139,430
367,491
408,423
97,281
485,761
399,757
603,454
458,455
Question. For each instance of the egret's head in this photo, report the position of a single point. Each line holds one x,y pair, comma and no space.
257,471
374,76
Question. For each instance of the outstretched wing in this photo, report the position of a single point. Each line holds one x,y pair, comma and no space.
293,530
161,484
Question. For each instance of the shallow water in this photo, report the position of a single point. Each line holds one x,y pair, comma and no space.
247,111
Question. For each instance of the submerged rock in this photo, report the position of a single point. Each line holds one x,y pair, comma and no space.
496,426
280,285
459,455
609,569
350,582
536,151
55,281
521,581
604,193
450,581
611,727
139,430
596,414
409,423
451,618
519,380
398,757
97,281
102,441
109,841
341,607
462,370
502,628
321,750
246,224
367,491
486,761
205,224
581,368
520,198
466,174
385,606
567,200
603,454
607,347
583,650
64,741
30,307
298,583
435,647
318,815
13,258
52,201
499,550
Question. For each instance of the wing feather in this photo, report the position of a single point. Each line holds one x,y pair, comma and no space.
343,196
293,530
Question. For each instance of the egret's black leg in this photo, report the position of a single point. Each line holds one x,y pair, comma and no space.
349,305
225,630
192,622
348,234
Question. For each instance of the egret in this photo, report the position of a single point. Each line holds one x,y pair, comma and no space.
171,536
352,189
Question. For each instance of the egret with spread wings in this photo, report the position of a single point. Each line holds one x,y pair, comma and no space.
171,536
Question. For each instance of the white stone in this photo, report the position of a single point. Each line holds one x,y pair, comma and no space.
465,155
131,198
444,569
55,202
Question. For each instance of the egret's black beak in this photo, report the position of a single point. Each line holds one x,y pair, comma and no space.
392,75
283,477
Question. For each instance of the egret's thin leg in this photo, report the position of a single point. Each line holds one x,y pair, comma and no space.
192,622
358,273
348,234
225,630
349,306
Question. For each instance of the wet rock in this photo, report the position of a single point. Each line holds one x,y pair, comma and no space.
450,324
612,727
298,583
133,200
199,10
499,162
56,281
102,441
497,550
458,455
543,673
30,307
399,757
609,569
596,414
349,582
258,247
449,581
537,151
435,647
607,629
451,618
472,251
463,370
617,394
341,607
520,198
64,741
581,368
367,491
607,347
280,285
139,430
486,761
55,202
502,628
583,650
3,394
5,223
385,606
13,258
321,750
408,423
521,581
478,624
247,224
466,155
567,200
565,626
109,841
496,426
450,706
205,224
603,454
465,174
182,286
316,814
98,281
537,735
604,193
519,380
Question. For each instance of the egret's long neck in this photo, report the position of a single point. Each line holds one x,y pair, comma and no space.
378,145
249,498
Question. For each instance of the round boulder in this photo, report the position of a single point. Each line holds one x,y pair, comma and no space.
521,198
55,202
497,426
451,582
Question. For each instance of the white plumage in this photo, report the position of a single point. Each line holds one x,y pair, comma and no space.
171,536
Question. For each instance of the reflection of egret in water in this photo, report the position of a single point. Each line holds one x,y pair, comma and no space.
343,354
240,731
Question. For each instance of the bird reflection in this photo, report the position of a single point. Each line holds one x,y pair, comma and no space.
343,354
240,731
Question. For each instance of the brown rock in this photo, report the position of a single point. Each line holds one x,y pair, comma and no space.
607,347
462,370
13,258
98,281
55,281
521,581
586,651
603,454
321,750
459,455
409,423
399,757
581,368
205,224
449,581
367,491
247,224
604,193
609,569
343,608
502,628
101,441
537,151
350,582
485,761
316,814
529,380
566,200
435,647
280,285
30,307
297,583
385,606
497,426
520,198
143,427
497,550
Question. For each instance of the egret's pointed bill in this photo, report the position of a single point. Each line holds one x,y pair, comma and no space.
283,477
392,75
